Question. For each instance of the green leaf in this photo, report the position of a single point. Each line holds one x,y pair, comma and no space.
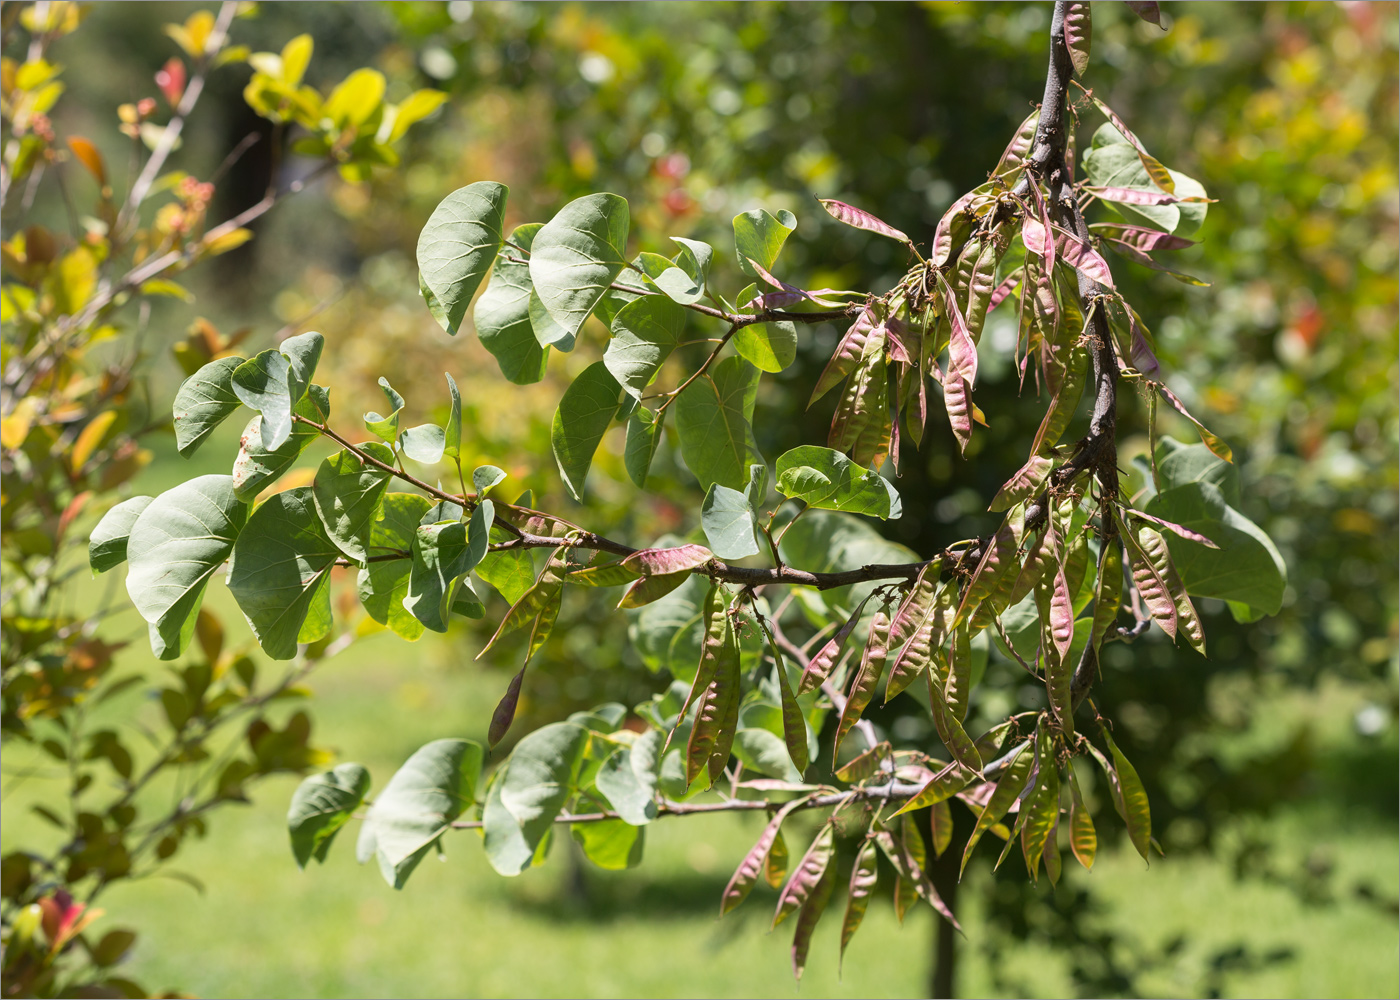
1179,464
764,752
610,844
730,522
713,420
452,432
1246,568
348,493
628,778
694,259
386,428
673,281
644,332
529,791
771,347
175,545
320,806
264,383
425,443
443,553
759,236
827,479
204,400
256,466
303,353
577,255
280,573
502,315
544,329
383,583
581,420
1112,162
485,477
432,789
107,544
457,246
643,435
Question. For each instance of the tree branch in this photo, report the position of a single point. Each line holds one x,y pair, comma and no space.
1097,450
893,791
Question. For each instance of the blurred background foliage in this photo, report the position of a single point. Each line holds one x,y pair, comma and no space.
1256,759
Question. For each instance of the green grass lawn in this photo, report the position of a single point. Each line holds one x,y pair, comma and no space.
263,928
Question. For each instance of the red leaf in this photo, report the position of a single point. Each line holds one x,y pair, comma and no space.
752,865
957,400
846,356
1033,235
1176,529
1138,257
170,78
808,873
1078,31
1156,594
943,235
962,350
1144,360
660,562
1000,293
1142,238
1217,446
1023,484
861,219
1083,256
867,678
819,667
88,154
1141,196
1020,145
1147,10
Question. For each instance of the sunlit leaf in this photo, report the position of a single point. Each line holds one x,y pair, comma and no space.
347,493
502,314
175,544
825,478
280,573
759,236
577,255
383,582
204,400
644,332
433,788
107,544
321,805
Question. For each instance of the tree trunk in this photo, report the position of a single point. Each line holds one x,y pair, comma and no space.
942,980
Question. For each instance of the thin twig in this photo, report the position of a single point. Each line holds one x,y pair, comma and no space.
890,792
